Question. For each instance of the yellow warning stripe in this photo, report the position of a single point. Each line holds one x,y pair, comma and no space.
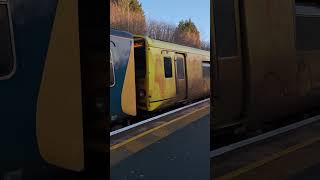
116,146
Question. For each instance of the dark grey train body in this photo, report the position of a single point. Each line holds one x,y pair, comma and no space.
266,66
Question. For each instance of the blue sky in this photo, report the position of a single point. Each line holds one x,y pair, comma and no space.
172,11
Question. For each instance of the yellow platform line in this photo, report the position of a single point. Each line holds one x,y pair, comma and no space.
116,146
257,164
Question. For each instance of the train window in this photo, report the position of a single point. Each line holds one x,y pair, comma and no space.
167,67
206,69
226,37
7,61
307,26
112,77
180,68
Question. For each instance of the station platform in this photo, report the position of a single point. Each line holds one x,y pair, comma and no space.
293,155
175,147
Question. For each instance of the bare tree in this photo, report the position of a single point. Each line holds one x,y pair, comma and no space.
128,15
160,30
205,45
122,17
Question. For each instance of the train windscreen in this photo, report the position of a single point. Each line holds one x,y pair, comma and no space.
112,77
6,50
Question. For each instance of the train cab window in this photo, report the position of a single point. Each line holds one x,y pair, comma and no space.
167,67
206,69
307,26
180,68
112,77
7,61
225,27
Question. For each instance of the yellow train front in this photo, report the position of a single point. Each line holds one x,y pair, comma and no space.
168,74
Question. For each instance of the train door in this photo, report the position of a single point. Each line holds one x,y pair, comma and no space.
181,86
228,77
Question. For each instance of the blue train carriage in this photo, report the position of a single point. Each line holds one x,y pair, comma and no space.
122,76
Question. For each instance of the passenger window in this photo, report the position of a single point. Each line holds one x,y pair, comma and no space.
7,62
112,77
307,26
180,68
206,70
167,67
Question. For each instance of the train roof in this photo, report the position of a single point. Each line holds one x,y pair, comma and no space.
120,33
167,45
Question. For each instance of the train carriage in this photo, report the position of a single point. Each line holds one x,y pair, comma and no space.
167,73
266,60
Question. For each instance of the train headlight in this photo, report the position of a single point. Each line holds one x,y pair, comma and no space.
142,93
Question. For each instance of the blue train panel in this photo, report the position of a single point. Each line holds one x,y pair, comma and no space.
122,76
40,90
24,40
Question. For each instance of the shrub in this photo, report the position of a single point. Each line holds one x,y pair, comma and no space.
187,34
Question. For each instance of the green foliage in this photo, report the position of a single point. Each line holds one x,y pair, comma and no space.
187,26
135,6
187,34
